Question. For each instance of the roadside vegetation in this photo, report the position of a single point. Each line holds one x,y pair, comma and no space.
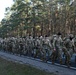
12,68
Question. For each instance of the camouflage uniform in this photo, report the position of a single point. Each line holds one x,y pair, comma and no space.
37,50
53,55
68,50
29,46
75,44
47,48
57,49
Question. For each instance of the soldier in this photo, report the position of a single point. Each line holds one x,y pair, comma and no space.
15,45
68,49
37,47
46,48
29,45
4,45
20,46
1,41
75,44
57,48
53,55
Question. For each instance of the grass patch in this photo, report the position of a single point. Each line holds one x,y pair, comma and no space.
11,68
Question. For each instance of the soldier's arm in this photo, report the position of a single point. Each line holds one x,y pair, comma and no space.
54,44
73,45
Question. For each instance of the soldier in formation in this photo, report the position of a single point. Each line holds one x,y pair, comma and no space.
68,49
41,47
57,48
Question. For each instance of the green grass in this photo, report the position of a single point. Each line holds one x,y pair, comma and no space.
11,68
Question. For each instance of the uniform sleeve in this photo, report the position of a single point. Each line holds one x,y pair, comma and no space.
54,43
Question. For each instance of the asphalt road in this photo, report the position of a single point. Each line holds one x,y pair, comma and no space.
38,64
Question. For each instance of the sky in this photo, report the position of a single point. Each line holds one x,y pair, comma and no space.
3,5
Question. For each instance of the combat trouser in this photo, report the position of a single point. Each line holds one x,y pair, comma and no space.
68,54
56,54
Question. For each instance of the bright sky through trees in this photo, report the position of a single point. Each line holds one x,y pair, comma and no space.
3,5
8,3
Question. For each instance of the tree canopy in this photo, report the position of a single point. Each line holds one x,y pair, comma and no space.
39,17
